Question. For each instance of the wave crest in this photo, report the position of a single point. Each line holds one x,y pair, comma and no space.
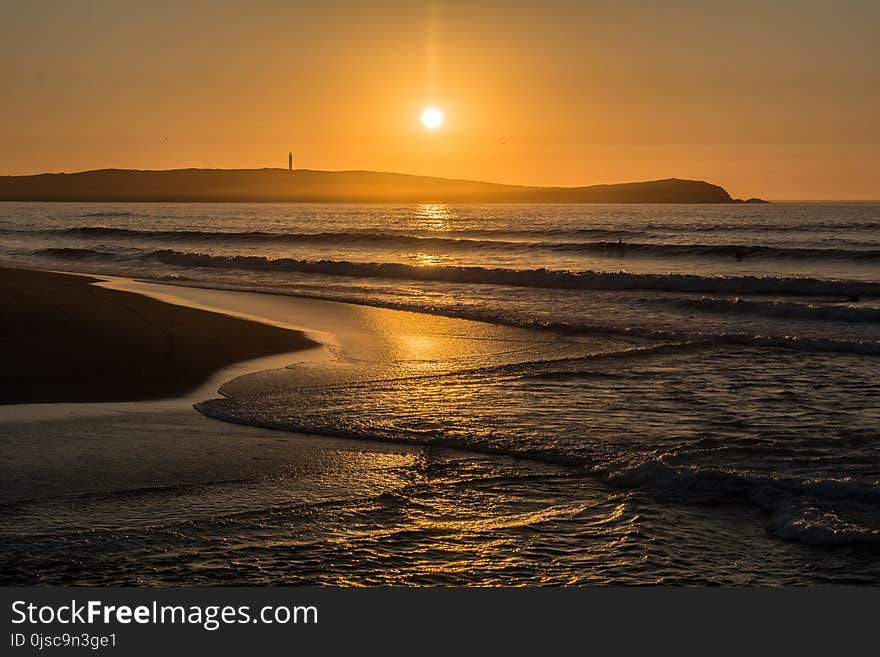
537,278
479,241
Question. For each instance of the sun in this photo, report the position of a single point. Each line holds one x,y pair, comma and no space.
432,118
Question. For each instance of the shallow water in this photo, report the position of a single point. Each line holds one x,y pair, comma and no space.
662,393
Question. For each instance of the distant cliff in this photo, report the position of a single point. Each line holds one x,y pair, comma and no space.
280,185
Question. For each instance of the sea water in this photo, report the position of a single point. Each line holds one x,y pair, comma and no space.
689,393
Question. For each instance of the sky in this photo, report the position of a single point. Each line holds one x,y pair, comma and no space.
777,100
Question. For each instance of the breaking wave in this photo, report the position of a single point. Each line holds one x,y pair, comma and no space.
471,240
810,510
534,278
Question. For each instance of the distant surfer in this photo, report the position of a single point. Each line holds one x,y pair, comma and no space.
621,247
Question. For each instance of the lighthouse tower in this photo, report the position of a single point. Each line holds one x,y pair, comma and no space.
290,161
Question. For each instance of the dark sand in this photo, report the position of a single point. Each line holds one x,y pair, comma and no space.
65,340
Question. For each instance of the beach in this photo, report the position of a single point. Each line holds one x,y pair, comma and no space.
439,395
94,475
66,340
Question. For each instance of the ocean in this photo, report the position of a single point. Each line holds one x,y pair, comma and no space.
681,394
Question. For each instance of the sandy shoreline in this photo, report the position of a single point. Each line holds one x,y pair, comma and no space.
76,454
158,493
104,445
67,340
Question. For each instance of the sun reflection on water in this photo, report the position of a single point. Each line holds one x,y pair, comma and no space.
426,259
433,216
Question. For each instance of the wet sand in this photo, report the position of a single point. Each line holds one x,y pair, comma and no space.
154,493
67,340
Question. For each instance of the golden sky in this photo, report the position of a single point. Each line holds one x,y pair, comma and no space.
779,100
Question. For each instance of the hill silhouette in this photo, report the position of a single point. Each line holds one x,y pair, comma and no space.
280,185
